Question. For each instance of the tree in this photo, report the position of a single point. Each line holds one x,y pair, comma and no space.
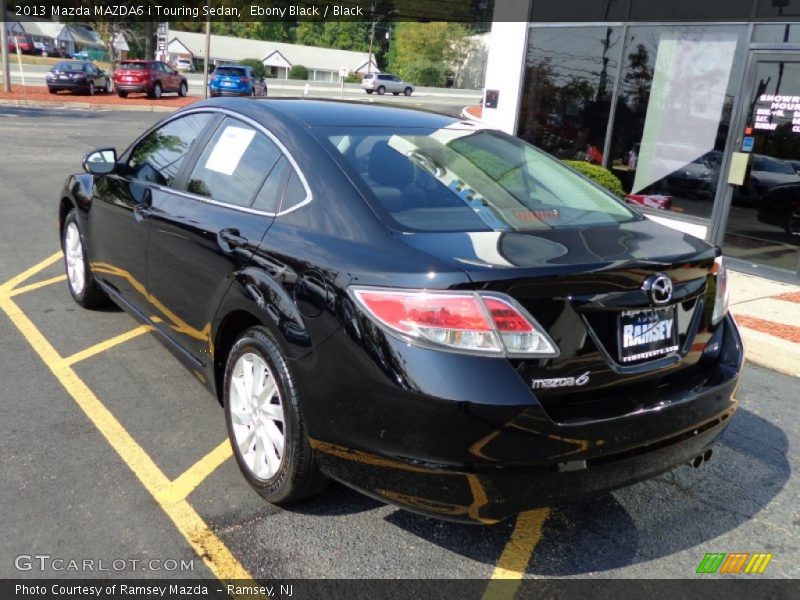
298,72
343,35
427,46
258,67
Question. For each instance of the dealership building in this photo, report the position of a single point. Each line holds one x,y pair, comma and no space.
693,105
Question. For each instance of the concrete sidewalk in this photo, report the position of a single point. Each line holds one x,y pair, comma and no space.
768,315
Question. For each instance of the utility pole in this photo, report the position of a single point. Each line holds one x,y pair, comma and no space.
208,50
4,51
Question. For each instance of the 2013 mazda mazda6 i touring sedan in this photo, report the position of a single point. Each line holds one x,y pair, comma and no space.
432,312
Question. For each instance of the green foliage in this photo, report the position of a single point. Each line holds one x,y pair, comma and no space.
298,72
418,47
426,73
352,78
598,174
258,67
342,35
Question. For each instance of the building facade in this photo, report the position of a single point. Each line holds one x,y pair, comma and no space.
694,106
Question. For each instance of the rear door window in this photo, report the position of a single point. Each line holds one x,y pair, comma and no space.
270,195
233,164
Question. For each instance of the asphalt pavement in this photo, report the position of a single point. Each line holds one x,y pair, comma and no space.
109,449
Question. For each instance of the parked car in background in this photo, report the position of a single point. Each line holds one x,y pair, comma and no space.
780,206
82,55
765,173
45,49
184,65
381,83
77,76
236,80
23,42
151,77
431,311
698,179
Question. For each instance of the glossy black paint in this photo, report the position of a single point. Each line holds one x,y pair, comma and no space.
458,436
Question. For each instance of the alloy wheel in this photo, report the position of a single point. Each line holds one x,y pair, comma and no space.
257,416
73,251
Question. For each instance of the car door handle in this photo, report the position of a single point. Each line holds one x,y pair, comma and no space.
230,238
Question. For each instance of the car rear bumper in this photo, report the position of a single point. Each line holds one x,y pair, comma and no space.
225,91
132,87
483,461
64,85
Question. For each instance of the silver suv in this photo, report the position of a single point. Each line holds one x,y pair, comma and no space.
384,82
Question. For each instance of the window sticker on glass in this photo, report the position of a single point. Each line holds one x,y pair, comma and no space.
230,148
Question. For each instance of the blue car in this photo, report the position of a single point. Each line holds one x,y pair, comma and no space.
236,80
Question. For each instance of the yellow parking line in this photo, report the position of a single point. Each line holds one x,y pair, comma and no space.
17,279
214,553
517,554
197,473
35,286
106,345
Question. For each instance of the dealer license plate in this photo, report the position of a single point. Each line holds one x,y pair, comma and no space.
648,333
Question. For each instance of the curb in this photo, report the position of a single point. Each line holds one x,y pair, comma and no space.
88,106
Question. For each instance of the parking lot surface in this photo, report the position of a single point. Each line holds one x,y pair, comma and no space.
109,449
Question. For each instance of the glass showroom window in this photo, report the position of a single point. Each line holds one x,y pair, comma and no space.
569,82
673,114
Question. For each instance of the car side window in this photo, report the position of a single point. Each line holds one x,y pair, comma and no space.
233,164
158,157
270,194
295,192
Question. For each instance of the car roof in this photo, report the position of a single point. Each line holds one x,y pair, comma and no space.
334,113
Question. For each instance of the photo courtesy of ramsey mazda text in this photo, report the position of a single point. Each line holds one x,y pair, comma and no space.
422,308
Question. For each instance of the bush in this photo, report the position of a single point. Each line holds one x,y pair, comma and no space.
258,67
599,175
425,73
352,78
298,72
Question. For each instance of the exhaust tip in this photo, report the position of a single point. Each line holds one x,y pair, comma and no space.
697,461
707,455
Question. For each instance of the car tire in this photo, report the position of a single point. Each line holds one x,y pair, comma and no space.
368,91
183,90
261,427
80,281
90,88
52,91
381,90
395,93
122,94
156,93
407,91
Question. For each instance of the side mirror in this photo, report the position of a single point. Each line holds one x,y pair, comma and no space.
175,71
100,162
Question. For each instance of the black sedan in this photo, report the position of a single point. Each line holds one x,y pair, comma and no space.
77,76
432,312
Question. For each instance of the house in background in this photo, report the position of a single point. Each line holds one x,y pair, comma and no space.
67,38
323,64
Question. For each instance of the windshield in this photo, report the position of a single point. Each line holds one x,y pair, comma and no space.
133,66
459,179
762,163
230,71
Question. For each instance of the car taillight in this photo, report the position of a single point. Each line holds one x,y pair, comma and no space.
473,322
721,295
245,80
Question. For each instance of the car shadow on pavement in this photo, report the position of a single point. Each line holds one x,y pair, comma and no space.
335,500
676,511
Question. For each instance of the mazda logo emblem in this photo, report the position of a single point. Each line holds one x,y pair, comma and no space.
659,287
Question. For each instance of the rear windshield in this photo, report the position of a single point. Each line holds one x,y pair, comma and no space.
130,66
68,66
460,179
231,71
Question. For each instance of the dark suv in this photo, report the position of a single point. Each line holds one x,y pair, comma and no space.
151,77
